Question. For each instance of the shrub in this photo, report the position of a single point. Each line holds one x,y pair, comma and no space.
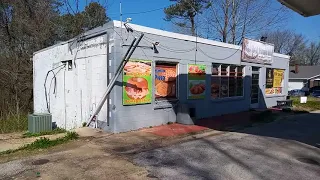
13,123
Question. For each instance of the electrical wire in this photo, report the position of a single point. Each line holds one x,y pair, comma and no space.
149,40
185,51
45,82
55,85
141,12
218,58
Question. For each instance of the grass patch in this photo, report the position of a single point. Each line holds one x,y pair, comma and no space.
55,131
13,123
312,104
44,143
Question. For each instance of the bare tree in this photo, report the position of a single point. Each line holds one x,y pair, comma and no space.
230,20
295,45
25,27
313,54
286,41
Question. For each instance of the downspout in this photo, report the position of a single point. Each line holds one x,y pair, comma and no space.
108,79
64,94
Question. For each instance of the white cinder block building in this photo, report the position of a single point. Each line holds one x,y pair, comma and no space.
211,78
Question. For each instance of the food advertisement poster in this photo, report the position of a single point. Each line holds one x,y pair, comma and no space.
274,86
269,79
196,81
278,77
137,82
165,81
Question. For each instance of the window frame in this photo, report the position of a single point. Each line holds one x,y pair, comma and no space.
164,100
236,97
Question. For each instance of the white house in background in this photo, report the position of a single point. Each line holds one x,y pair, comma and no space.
304,76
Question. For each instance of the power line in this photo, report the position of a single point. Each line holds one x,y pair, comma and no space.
217,58
141,12
162,46
186,50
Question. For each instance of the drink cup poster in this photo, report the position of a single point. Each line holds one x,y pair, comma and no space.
137,82
196,81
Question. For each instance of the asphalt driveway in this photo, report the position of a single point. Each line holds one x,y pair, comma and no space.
286,149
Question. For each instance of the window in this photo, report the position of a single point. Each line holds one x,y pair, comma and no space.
165,81
316,83
226,81
274,81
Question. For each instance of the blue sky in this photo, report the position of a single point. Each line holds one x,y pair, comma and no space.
310,27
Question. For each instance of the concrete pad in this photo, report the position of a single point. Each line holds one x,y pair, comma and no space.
89,132
174,130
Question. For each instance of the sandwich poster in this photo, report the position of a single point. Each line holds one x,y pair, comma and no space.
137,82
196,81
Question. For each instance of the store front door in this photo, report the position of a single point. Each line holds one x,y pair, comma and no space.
255,88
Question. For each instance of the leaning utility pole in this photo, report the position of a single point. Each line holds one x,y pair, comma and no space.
124,61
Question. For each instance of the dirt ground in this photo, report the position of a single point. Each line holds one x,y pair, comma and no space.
15,140
104,156
98,155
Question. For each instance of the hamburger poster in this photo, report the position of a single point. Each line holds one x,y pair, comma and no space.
137,83
196,81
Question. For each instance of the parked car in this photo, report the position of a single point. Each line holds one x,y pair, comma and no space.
315,88
316,93
297,92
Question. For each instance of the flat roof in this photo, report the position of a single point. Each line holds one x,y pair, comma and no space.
148,30
159,32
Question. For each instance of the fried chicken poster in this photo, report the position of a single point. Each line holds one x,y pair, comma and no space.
196,81
137,83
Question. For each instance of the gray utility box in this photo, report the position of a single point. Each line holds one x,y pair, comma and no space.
39,123
183,115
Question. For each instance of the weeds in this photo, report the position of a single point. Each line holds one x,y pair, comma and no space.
44,143
13,123
311,105
84,124
55,131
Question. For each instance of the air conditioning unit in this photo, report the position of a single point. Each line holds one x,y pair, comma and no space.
39,123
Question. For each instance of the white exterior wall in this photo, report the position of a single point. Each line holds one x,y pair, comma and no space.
79,90
295,84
